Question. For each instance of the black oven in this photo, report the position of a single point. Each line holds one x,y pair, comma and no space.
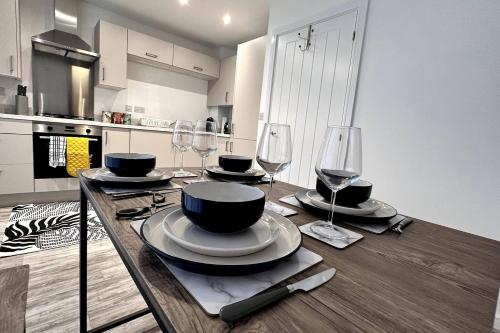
41,139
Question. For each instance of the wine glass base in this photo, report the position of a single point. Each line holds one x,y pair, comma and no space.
183,174
279,209
323,232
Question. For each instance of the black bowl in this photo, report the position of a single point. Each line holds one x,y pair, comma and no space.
130,165
222,207
235,163
352,195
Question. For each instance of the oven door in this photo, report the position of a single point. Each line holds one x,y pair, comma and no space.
41,166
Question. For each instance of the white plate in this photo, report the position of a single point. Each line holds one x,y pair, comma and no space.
288,242
104,175
182,231
364,208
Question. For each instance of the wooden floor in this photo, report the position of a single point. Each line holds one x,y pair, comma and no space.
53,288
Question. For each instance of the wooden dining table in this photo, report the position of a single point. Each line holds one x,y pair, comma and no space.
430,278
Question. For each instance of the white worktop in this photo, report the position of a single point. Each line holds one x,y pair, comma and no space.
88,122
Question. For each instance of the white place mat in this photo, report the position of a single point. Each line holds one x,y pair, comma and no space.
214,292
183,174
337,243
280,209
291,200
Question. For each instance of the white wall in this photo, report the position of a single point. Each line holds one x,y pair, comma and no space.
428,101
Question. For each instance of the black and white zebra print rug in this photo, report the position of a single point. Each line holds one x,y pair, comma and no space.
36,227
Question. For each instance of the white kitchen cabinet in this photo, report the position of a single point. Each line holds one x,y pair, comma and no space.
16,178
156,143
221,91
243,147
115,140
248,86
14,126
196,62
151,50
10,54
110,41
16,149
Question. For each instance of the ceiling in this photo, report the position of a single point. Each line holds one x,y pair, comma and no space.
199,20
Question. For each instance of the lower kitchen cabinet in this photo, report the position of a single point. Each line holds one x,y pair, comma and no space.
243,147
16,178
156,143
115,140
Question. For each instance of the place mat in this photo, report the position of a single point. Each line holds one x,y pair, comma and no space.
214,292
279,209
377,228
337,243
291,200
183,174
197,180
123,190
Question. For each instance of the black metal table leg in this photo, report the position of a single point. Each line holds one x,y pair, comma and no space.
83,261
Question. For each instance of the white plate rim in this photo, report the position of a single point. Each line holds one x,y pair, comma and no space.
220,251
96,175
218,170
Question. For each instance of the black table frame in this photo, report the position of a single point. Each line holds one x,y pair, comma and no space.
153,307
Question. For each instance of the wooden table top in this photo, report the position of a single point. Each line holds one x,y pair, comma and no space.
429,279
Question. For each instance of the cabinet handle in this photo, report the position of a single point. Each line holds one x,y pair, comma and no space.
231,146
103,73
11,62
151,55
105,138
226,145
227,93
199,69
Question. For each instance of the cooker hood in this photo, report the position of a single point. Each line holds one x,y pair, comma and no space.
63,40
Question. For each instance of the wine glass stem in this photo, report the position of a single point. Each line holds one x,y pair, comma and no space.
271,177
202,167
182,161
332,208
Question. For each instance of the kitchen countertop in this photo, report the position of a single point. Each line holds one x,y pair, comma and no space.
90,123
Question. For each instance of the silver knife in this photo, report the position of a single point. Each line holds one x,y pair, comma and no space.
235,311
398,227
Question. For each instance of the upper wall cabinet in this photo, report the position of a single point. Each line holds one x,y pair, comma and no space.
221,91
10,64
144,48
110,41
195,62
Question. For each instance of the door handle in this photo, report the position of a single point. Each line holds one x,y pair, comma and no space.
227,93
231,146
226,145
11,62
103,73
151,55
199,69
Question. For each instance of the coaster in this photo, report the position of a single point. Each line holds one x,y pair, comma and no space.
377,228
183,174
337,243
279,209
291,200
191,181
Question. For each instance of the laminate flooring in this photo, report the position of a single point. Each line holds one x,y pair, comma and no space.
52,304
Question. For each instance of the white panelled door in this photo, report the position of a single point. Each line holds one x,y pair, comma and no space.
310,88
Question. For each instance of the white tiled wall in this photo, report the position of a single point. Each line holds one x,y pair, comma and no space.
163,94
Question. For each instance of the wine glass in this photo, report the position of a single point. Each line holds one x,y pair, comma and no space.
205,141
338,166
274,154
182,140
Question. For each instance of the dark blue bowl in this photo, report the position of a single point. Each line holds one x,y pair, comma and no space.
130,165
352,195
222,207
235,163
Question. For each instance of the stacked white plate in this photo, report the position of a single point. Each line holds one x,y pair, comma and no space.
270,240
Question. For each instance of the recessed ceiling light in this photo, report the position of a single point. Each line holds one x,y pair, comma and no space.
184,2
226,19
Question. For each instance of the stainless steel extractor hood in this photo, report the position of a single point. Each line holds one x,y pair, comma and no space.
63,40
